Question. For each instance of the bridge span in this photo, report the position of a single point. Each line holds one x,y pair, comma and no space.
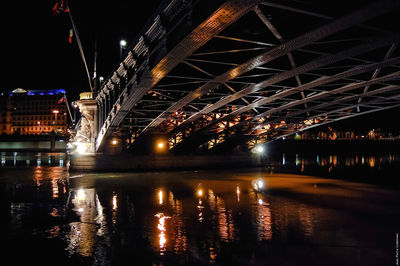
211,75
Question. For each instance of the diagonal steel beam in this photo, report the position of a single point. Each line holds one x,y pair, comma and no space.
276,33
339,90
349,115
385,89
376,72
330,120
230,51
319,82
373,10
392,76
343,99
302,69
228,13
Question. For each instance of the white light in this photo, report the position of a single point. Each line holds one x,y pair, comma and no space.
81,195
81,148
260,184
259,149
101,78
122,43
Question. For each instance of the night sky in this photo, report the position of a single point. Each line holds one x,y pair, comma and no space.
35,50
36,53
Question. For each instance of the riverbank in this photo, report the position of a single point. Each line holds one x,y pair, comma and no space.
125,162
34,143
332,146
270,156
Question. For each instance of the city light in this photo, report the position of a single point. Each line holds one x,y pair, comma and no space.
122,43
81,195
160,197
258,149
114,202
81,148
160,146
114,142
258,184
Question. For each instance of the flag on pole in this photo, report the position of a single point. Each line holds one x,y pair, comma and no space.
62,100
71,34
60,7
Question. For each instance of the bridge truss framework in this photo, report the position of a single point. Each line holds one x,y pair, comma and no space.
206,75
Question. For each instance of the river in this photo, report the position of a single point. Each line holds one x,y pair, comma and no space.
276,215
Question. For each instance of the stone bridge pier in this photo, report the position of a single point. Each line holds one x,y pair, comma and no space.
86,135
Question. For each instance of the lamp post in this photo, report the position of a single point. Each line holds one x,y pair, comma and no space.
55,112
122,44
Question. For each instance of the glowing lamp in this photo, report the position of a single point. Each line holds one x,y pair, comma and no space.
81,148
122,43
258,149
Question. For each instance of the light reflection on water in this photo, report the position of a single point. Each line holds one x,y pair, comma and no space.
32,159
203,215
333,160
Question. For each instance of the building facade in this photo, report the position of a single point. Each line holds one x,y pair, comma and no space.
33,112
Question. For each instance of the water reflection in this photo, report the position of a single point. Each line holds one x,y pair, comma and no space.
32,159
262,214
334,161
162,239
176,216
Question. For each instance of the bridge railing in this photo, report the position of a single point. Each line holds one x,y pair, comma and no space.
148,48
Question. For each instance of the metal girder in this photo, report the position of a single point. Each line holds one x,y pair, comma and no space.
309,66
357,17
323,94
340,100
341,114
323,105
218,21
276,33
376,72
345,115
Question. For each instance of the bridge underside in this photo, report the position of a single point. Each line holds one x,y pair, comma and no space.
203,77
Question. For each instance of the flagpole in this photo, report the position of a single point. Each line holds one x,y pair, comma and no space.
80,46
95,84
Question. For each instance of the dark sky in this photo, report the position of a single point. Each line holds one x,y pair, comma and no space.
35,50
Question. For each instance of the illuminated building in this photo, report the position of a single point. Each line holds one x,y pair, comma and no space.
33,112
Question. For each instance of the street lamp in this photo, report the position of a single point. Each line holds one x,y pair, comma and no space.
55,112
122,44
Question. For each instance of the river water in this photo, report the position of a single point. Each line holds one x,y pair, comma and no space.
276,215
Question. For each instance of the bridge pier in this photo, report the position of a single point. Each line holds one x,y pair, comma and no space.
87,134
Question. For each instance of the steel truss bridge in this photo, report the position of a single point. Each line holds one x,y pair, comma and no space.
208,75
